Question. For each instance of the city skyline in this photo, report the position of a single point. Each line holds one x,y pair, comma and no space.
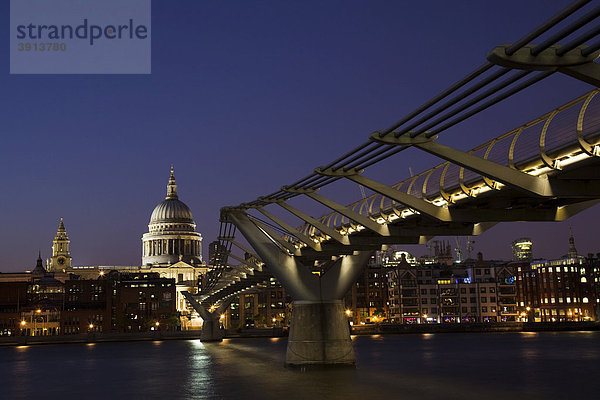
96,150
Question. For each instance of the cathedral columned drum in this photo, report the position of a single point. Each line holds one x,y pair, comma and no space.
172,235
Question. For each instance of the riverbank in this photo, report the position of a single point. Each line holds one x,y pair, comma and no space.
97,338
374,329
475,327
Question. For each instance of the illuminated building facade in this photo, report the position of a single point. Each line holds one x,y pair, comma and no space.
522,249
556,291
262,307
366,301
437,293
213,250
114,302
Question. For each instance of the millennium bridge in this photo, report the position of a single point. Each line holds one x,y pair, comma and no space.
545,170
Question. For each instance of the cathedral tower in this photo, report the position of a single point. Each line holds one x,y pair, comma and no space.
61,257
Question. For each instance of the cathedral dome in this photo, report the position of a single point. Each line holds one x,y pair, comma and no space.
171,235
171,210
171,213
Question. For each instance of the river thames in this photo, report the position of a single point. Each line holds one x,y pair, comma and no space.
545,365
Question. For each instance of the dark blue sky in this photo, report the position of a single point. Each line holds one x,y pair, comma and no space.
243,98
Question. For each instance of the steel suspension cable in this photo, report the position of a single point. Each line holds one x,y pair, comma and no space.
523,85
593,47
578,41
549,24
563,33
497,75
489,92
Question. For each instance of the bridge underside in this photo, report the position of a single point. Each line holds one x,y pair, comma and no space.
541,171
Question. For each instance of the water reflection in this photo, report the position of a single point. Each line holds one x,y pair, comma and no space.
420,366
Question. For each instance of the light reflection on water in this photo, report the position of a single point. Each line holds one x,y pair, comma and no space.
419,366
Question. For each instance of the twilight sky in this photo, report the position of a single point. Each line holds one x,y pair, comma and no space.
245,97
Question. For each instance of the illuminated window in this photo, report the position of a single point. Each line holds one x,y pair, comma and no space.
585,300
568,299
583,279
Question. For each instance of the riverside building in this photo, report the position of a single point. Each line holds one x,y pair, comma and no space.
470,292
557,290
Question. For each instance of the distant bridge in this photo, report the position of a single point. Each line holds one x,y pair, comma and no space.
545,170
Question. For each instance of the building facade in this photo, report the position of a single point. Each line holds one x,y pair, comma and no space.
556,291
114,302
265,306
438,293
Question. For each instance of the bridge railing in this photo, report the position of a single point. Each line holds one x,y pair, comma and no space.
545,144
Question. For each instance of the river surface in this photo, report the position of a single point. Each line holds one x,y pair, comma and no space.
486,366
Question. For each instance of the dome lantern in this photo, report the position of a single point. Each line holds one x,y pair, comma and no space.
171,187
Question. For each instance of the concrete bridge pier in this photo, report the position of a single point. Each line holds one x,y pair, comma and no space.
211,325
211,328
319,332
